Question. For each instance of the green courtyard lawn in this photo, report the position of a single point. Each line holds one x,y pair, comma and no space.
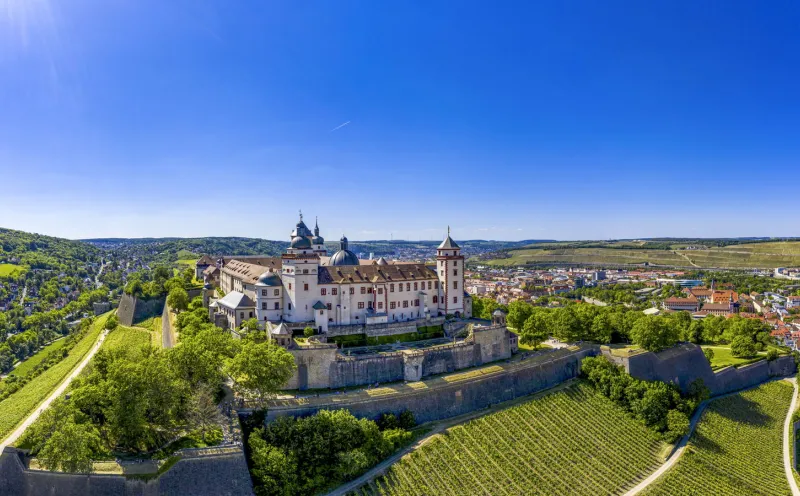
8,270
724,358
16,407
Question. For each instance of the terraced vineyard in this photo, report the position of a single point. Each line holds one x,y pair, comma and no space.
736,448
573,441
130,339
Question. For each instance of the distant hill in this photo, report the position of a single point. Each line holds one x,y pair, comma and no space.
744,253
43,252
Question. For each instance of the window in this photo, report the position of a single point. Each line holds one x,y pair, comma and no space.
380,305
329,306
290,306
405,303
290,286
360,304
441,272
455,299
369,305
277,306
276,292
435,284
369,290
334,291
415,287
435,299
392,305
263,292
352,290
380,291
455,272
455,263
391,288
241,315
305,287
416,303
455,284
408,286
430,284
263,305
363,290
323,292
305,271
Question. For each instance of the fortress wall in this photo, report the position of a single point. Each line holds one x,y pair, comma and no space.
685,363
368,370
132,309
213,474
493,342
458,398
317,363
445,359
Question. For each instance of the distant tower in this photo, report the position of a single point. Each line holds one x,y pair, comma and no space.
450,269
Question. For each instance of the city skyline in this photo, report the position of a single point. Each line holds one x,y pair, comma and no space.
565,122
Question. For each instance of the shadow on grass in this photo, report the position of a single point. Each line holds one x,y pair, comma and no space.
741,410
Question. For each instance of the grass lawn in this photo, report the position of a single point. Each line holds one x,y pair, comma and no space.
185,254
724,358
8,270
573,441
130,339
37,358
736,448
16,407
190,262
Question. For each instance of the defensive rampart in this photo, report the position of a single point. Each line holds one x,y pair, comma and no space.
685,363
321,366
132,309
447,396
198,472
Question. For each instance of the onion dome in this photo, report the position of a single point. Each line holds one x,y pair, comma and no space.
300,243
344,256
268,278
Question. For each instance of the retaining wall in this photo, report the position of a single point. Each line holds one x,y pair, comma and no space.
132,309
222,474
685,363
448,400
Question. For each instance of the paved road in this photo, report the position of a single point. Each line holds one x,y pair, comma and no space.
167,335
787,443
12,438
681,447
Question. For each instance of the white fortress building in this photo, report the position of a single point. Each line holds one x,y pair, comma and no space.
306,287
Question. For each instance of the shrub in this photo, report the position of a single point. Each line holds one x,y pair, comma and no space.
709,353
772,354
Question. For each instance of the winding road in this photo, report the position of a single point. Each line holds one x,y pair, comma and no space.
12,438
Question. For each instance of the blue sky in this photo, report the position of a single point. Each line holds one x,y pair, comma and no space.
505,120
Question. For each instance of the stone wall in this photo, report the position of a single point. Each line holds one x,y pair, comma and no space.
321,366
387,329
448,400
132,310
685,363
195,473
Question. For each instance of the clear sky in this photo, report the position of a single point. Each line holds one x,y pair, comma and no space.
505,120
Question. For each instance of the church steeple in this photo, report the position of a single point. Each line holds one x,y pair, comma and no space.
316,226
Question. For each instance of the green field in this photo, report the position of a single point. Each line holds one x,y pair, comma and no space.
188,262
767,255
17,406
573,441
8,270
130,339
736,448
22,369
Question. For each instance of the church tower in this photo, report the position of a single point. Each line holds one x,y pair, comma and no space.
300,265
450,269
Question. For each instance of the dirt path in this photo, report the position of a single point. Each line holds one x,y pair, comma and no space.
787,443
687,258
12,438
167,334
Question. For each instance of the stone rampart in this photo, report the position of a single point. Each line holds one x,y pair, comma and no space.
449,358
443,399
132,309
685,363
387,329
366,370
222,473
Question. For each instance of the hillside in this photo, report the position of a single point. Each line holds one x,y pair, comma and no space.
686,253
20,249
573,441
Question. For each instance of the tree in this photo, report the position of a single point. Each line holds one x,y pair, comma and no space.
71,447
653,333
709,353
203,412
188,275
259,370
772,354
677,425
518,313
308,332
112,322
534,330
743,347
178,299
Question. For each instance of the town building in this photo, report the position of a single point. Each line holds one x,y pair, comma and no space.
690,304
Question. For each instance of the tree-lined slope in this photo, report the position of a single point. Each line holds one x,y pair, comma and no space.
736,448
574,441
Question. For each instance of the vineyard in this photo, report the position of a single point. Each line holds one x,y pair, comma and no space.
16,407
573,441
130,339
736,448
